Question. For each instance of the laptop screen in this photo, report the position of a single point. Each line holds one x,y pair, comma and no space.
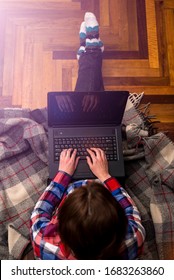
86,108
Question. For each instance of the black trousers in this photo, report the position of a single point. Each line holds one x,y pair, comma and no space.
90,71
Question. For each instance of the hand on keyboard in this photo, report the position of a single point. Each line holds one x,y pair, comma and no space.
68,161
107,144
98,163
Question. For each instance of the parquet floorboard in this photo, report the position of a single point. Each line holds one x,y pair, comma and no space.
39,40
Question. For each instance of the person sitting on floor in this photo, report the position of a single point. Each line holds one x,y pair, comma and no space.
88,219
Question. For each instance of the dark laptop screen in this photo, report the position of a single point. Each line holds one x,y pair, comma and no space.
84,108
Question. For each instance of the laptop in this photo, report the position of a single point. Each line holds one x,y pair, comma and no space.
86,119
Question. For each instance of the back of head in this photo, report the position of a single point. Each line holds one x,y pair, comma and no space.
92,223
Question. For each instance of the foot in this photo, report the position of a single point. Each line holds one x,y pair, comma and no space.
92,32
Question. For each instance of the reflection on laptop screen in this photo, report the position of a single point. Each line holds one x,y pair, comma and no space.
77,108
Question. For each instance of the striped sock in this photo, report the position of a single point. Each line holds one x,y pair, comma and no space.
92,32
82,36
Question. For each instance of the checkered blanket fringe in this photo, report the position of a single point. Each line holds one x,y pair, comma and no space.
149,166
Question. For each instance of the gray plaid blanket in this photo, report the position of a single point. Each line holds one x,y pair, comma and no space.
149,165
23,177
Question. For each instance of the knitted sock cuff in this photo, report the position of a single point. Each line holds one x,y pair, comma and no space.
80,51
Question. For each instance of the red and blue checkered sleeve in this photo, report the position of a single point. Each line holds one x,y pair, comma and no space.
43,211
136,233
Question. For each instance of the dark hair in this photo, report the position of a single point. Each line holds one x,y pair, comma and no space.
92,223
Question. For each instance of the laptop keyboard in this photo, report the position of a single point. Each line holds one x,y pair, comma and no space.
108,144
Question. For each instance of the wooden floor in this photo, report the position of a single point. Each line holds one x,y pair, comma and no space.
39,40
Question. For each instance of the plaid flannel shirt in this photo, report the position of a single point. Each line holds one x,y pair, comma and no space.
44,223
